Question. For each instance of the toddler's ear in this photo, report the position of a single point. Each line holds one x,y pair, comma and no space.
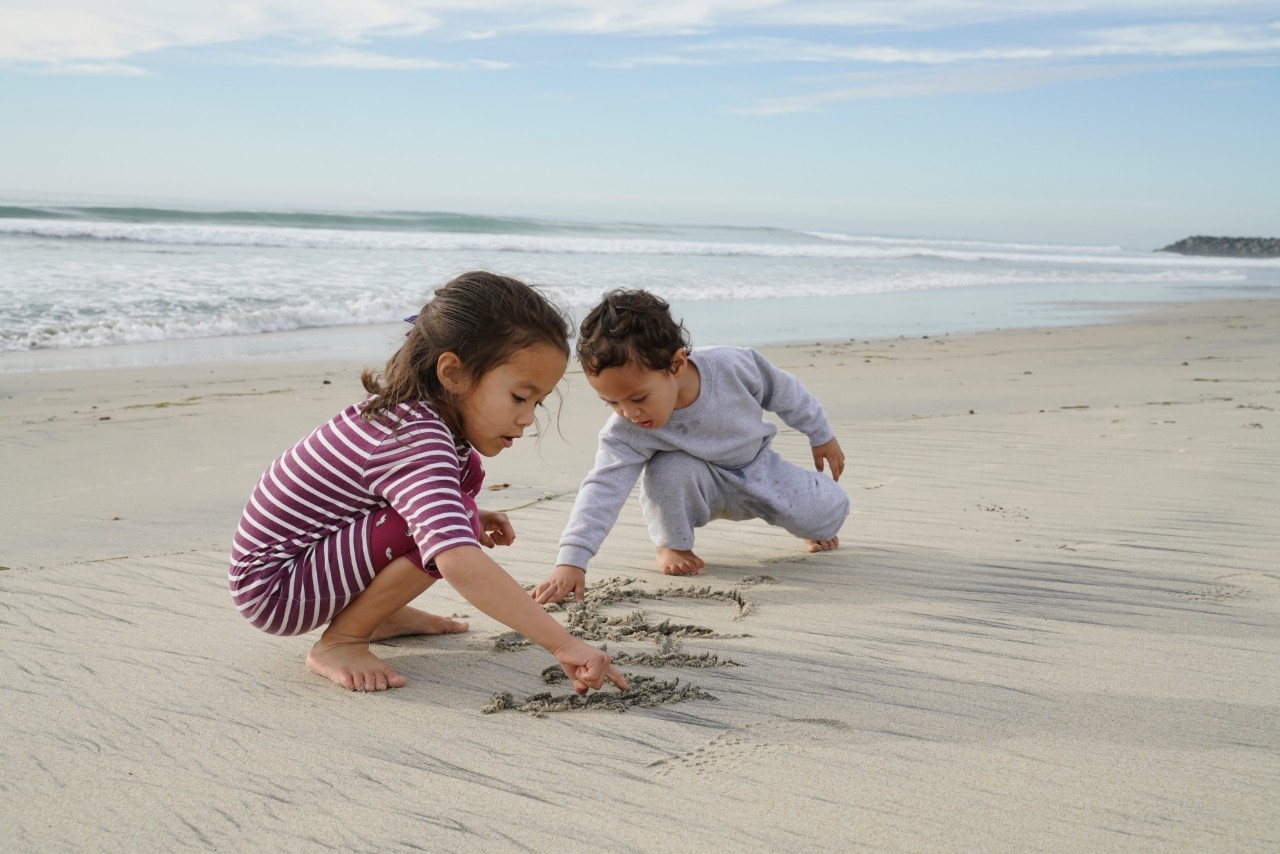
451,372
678,362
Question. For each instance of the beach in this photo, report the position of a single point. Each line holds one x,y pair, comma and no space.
1053,622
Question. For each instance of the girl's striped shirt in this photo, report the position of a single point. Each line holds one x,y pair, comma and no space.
301,551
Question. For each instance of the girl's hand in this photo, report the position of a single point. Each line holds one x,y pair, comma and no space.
588,667
831,453
495,529
563,581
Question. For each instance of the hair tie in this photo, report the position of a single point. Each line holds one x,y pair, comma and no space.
411,318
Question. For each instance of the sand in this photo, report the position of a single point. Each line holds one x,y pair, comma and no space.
1053,622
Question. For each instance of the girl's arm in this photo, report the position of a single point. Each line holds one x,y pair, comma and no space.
488,586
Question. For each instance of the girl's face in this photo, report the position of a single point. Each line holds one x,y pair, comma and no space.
643,396
498,407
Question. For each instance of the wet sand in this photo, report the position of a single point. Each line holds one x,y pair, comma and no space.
1053,622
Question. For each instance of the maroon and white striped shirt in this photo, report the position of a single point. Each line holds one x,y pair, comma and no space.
301,551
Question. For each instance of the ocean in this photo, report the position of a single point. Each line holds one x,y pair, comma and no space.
84,285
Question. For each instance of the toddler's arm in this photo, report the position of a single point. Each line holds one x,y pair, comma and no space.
782,394
561,582
487,586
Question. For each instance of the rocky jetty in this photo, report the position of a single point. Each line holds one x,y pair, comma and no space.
1227,247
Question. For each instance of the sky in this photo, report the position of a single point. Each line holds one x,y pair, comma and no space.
1122,121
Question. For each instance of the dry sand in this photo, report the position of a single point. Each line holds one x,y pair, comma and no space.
1053,623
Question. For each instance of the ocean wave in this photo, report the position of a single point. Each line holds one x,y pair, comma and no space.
124,314
395,221
266,237
972,244
94,276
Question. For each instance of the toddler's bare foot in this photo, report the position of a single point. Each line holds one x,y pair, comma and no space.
679,562
350,663
411,621
821,545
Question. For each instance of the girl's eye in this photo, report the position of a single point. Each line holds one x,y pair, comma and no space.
518,399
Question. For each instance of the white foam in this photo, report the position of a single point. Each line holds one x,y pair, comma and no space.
830,246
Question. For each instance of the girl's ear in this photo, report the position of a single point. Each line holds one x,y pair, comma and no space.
452,373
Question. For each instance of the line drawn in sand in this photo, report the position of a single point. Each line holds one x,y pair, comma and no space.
585,620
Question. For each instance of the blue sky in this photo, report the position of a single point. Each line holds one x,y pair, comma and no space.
1119,121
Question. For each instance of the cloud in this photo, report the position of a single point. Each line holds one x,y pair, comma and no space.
116,69
931,82
361,60
91,36
1183,40
780,50
66,32
978,80
1134,41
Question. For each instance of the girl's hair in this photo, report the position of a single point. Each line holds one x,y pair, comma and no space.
630,326
484,319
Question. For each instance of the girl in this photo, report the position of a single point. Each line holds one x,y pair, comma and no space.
351,524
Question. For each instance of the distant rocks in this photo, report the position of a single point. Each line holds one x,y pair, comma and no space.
1227,247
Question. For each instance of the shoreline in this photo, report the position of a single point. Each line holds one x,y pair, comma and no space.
1052,622
777,322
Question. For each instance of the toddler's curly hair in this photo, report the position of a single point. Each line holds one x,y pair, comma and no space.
630,326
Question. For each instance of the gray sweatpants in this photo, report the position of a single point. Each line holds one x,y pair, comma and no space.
679,493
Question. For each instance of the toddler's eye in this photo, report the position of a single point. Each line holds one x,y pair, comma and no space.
518,399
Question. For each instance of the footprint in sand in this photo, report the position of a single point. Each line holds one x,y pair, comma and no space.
1214,593
735,747
1234,585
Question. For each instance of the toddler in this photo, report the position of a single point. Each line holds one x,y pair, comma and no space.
687,422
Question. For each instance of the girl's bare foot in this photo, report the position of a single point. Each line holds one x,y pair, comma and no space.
411,621
679,562
350,663
821,545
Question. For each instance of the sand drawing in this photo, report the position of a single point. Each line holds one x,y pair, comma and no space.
646,692
586,620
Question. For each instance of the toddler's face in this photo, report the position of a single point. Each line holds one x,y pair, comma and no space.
496,411
641,395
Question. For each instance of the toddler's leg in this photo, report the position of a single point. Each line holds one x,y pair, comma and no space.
678,493
807,504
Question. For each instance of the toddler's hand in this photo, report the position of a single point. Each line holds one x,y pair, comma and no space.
831,453
588,667
562,581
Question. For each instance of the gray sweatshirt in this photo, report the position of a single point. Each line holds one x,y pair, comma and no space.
724,426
